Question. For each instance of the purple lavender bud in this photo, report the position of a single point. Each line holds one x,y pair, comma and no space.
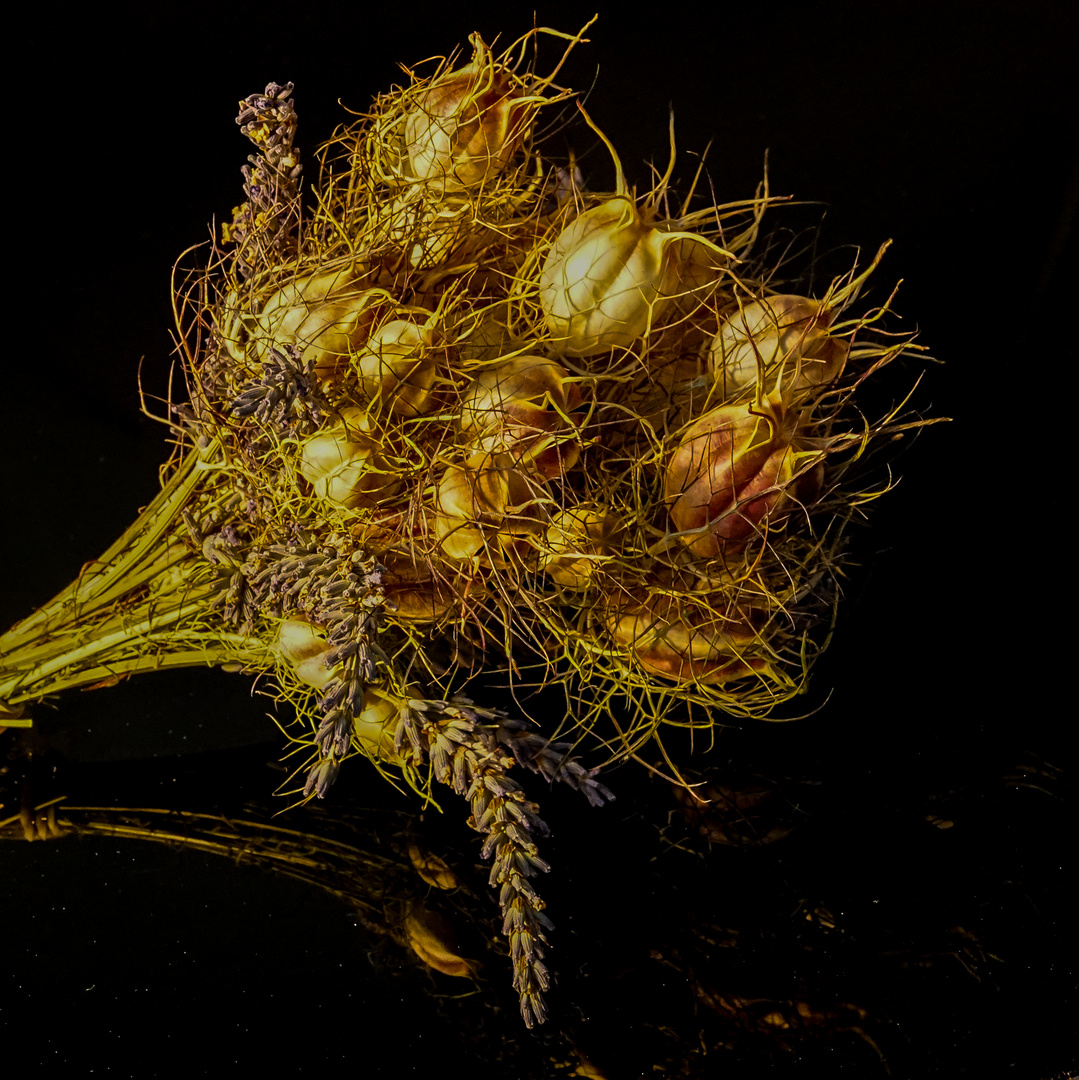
330,768
335,692
342,737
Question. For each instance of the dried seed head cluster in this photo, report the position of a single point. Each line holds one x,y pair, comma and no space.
460,400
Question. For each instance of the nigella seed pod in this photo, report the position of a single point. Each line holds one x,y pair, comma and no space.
760,337
606,280
397,367
612,272
467,124
729,478
327,316
345,465
374,725
611,275
304,648
685,642
489,503
523,407
577,543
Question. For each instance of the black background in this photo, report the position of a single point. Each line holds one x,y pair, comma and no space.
948,127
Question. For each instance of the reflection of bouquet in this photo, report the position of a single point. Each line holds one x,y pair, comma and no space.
457,413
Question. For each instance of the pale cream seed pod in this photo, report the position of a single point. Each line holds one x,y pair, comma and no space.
577,542
304,648
345,464
426,231
522,406
611,275
328,315
467,124
397,367
488,503
376,723
606,280
758,338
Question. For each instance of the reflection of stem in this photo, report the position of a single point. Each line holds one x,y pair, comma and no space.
342,869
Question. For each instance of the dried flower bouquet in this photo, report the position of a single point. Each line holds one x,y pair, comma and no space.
450,413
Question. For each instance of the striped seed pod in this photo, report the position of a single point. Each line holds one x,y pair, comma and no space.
729,476
606,280
329,315
681,641
467,124
576,544
345,464
784,337
488,503
523,407
397,367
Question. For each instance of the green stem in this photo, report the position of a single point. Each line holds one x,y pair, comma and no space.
89,654
111,575
140,607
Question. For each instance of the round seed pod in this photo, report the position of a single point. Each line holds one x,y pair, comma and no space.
304,648
606,280
611,273
576,544
684,638
329,315
489,503
412,595
345,464
763,335
397,367
729,474
375,723
467,124
425,230
522,407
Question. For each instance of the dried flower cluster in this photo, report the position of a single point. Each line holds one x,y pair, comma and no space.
461,415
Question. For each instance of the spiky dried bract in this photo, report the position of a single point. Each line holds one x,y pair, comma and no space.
463,416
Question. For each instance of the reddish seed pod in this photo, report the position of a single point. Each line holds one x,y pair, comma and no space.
684,642
728,478
467,124
522,407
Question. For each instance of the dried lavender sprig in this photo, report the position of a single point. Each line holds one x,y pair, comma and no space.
465,754
286,397
341,591
266,223
552,760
